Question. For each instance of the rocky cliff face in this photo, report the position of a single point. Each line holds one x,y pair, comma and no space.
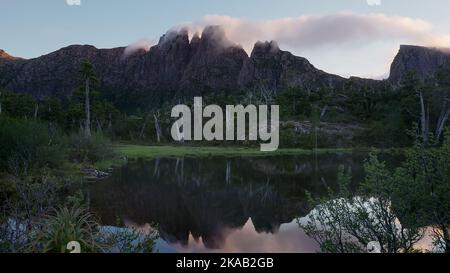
57,73
422,60
215,64
273,69
177,66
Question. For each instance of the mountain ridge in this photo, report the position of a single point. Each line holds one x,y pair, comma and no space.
181,67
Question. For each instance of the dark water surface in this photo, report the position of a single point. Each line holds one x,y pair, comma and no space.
221,204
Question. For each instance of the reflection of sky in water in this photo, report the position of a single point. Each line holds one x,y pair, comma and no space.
289,238
220,204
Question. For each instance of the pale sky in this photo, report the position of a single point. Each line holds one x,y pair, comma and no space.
346,37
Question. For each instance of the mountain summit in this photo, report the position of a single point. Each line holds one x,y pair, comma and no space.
5,56
422,60
181,67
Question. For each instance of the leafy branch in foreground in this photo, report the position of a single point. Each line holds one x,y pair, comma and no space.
392,208
347,223
129,239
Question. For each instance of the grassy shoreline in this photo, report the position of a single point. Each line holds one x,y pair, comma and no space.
125,152
142,151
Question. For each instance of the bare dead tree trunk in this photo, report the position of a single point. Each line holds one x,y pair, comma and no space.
445,114
179,170
87,107
36,110
144,126
99,125
157,127
324,111
248,98
423,119
228,173
442,124
267,94
156,170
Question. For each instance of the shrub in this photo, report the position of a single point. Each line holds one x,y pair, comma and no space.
128,240
90,150
66,225
28,144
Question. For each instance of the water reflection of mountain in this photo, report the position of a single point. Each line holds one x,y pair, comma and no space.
204,197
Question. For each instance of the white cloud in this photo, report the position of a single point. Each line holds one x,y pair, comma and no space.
341,37
317,31
143,44
73,2
374,2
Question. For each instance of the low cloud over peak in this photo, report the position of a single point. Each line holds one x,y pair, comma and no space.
311,31
143,44
344,43
334,42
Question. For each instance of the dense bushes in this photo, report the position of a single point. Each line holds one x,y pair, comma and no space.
26,145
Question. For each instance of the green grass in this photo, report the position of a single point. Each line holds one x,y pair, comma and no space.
140,151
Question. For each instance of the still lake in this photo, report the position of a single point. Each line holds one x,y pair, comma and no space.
222,204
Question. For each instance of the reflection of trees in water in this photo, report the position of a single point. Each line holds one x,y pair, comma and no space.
228,173
179,170
156,170
203,197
